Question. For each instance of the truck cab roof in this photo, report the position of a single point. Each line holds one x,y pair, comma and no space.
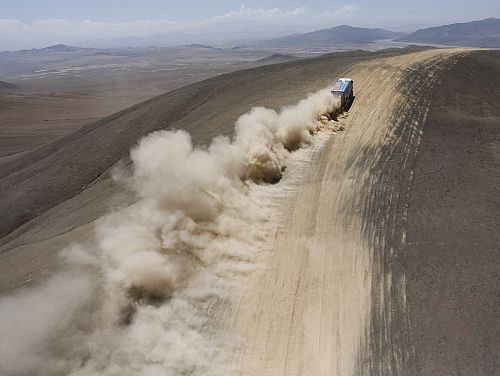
341,84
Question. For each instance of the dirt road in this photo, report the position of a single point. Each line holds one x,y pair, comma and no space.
323,305
48,209
371,241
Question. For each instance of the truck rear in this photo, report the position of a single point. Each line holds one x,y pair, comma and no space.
343,89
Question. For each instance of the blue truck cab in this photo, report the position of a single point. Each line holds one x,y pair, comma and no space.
344,90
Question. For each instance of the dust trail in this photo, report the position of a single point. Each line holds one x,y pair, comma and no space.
132,302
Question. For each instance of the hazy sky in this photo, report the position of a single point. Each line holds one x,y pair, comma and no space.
34,23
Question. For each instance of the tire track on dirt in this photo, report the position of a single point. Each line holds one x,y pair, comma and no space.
327,304
389,344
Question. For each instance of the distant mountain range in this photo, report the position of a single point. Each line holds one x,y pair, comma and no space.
484,33
339,35
55,48
64,49
7,86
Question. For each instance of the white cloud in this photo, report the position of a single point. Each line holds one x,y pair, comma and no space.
107,29
345,11
277,14
17,34
11,26
261,13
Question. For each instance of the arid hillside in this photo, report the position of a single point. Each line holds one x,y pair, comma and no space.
377,254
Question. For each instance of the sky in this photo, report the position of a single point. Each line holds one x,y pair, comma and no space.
37,23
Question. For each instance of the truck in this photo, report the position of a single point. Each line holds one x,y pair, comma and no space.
343,89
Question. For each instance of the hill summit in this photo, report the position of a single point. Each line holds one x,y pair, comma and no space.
484,33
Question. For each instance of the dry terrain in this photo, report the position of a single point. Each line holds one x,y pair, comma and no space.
344,279
385,261
49,94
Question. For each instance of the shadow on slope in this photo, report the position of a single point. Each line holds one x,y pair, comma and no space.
52,174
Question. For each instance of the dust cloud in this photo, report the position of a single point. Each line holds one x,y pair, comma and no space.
133,302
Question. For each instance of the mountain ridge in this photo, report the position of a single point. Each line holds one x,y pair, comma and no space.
342,34
483,33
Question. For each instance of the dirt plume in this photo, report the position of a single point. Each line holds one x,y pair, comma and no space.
194,230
